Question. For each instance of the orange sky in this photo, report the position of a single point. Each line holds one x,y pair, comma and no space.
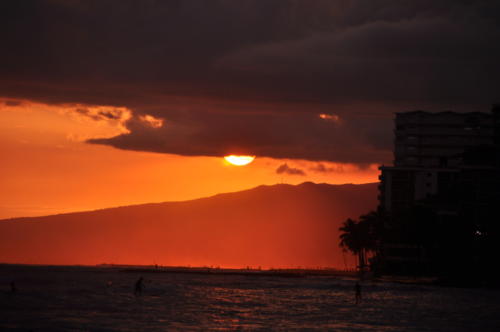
47,167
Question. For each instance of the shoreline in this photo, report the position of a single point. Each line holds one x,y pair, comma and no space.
283,273
435,281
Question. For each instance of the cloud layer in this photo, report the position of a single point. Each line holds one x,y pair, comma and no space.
253,76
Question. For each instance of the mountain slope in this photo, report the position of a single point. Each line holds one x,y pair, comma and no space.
268,226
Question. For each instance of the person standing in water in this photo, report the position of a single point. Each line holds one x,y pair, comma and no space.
357,290
138,287
13,288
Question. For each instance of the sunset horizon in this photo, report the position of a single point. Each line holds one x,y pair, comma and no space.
54,137
185,165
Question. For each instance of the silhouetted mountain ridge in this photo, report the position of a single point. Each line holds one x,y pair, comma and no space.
277,225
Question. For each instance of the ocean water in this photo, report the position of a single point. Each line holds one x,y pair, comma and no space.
102,299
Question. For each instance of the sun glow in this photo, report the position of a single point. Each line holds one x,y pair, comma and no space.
239,160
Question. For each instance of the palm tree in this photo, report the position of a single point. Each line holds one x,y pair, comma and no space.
362,237
351,239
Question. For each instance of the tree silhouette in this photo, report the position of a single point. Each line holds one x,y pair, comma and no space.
364,237
354,239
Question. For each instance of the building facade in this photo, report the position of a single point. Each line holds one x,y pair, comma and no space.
449,156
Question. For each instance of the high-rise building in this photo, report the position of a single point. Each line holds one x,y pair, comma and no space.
442,155
438,140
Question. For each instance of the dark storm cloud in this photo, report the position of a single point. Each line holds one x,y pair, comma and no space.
285,169
279,135
252,76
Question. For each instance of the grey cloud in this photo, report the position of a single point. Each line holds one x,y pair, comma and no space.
251,75
86,112
415,60
285,169
112,115
280,135
321,168
133,52
97,115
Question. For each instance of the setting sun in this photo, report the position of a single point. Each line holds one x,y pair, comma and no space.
239,160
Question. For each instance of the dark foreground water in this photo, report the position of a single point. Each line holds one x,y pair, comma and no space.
98,299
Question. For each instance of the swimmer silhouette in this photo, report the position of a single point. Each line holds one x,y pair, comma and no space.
357,289
13,288
138,287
